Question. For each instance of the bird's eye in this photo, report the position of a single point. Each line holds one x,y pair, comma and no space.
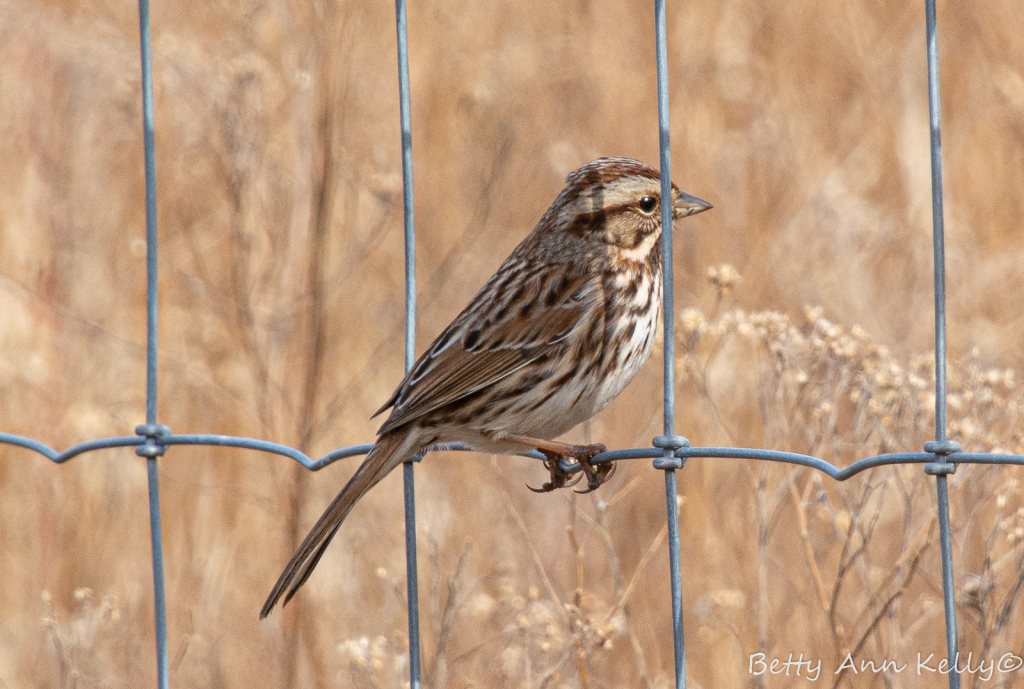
647,204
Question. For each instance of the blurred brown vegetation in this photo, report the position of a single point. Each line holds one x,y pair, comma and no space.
281,318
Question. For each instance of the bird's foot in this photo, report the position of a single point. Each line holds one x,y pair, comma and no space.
559,477
596,475
581,454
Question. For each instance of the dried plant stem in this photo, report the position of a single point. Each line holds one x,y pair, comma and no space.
620,588
620,494
528,539
763,603
640,567
578,593
799,503
698,374
874,622
436,674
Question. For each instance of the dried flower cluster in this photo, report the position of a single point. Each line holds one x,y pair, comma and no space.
867,544
840,386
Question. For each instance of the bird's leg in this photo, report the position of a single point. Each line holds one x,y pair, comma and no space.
581,454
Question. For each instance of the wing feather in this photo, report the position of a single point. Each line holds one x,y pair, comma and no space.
509,324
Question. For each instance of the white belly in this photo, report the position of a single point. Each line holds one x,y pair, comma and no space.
583,397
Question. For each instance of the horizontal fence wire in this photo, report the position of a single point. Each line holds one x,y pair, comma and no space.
669,451
682,453
676,456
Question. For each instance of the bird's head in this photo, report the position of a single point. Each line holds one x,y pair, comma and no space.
612,205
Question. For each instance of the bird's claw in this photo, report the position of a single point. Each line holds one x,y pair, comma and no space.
581,454
597,476
559,477
553,485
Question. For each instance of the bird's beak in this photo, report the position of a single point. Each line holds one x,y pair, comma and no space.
688,205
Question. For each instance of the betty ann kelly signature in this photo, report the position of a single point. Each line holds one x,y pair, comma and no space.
985,668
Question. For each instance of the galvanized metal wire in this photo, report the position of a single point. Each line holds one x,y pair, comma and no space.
408,469
150,449
940,457
669,358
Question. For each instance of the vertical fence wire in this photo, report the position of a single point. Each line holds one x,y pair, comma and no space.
661,46
948,592
938,245
668,285
676,578
159,596
409,486
153,481
938,228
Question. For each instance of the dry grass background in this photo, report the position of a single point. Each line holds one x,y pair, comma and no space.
281,316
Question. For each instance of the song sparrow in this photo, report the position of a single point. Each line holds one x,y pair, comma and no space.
552,338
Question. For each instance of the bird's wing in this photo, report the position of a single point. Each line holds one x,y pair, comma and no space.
521,314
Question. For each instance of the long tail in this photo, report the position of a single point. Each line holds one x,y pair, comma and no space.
391,449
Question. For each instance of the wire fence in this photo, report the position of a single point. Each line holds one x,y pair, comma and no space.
669,452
